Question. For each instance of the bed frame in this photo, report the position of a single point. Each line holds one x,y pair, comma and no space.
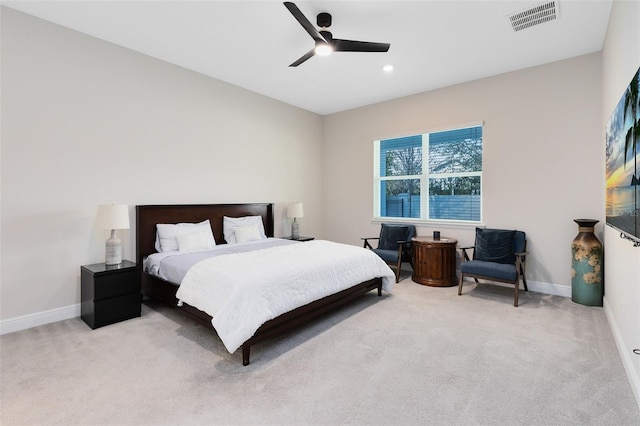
148,216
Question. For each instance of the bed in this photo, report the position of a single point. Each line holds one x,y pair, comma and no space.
148,216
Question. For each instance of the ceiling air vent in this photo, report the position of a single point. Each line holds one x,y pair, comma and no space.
534,16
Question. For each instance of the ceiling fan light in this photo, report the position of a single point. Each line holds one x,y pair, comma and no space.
323,49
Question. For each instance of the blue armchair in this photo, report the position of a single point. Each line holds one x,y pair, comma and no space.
498,255
394,245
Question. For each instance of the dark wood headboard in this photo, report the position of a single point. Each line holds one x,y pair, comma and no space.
148,216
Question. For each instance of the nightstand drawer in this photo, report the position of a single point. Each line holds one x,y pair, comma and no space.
118,284
98,285
116,309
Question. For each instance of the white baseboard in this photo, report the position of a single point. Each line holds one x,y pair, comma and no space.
548,288
39,318
632,373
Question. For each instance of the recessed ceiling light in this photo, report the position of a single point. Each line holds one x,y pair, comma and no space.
387,68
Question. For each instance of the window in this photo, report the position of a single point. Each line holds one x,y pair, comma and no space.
446,164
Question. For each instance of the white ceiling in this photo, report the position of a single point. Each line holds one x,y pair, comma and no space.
251,43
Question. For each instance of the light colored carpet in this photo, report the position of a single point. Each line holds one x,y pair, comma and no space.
419,356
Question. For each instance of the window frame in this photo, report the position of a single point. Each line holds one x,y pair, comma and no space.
424,181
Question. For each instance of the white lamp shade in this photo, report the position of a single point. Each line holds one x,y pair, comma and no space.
113,216
295,210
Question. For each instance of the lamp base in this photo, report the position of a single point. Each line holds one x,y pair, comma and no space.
295,230
113,250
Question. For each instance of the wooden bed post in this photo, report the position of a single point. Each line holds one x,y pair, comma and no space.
246,353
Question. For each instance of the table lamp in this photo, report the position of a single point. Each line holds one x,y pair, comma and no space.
294,210
113,216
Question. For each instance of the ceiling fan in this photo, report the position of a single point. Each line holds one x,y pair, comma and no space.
325,43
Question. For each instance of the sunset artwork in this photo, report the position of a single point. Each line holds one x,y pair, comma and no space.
623,163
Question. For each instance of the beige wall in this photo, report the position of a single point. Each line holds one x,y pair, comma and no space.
621,59
542,158
85,122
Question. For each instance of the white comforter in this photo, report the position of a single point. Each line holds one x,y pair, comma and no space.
244,290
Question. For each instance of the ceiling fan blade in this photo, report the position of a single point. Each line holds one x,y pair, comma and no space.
306,56
313,32
359,46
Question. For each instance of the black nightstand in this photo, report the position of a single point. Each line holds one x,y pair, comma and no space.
110,293
300,238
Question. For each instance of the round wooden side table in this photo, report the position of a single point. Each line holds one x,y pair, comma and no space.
434,261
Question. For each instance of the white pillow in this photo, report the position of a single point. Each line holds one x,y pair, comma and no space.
228,223
166,234
194,241
246,233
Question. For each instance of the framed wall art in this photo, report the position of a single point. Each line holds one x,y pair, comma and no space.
623,164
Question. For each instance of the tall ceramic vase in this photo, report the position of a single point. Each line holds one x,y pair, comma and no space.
587,286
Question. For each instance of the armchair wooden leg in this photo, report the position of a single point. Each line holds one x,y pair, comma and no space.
460,284
398,268
516,294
